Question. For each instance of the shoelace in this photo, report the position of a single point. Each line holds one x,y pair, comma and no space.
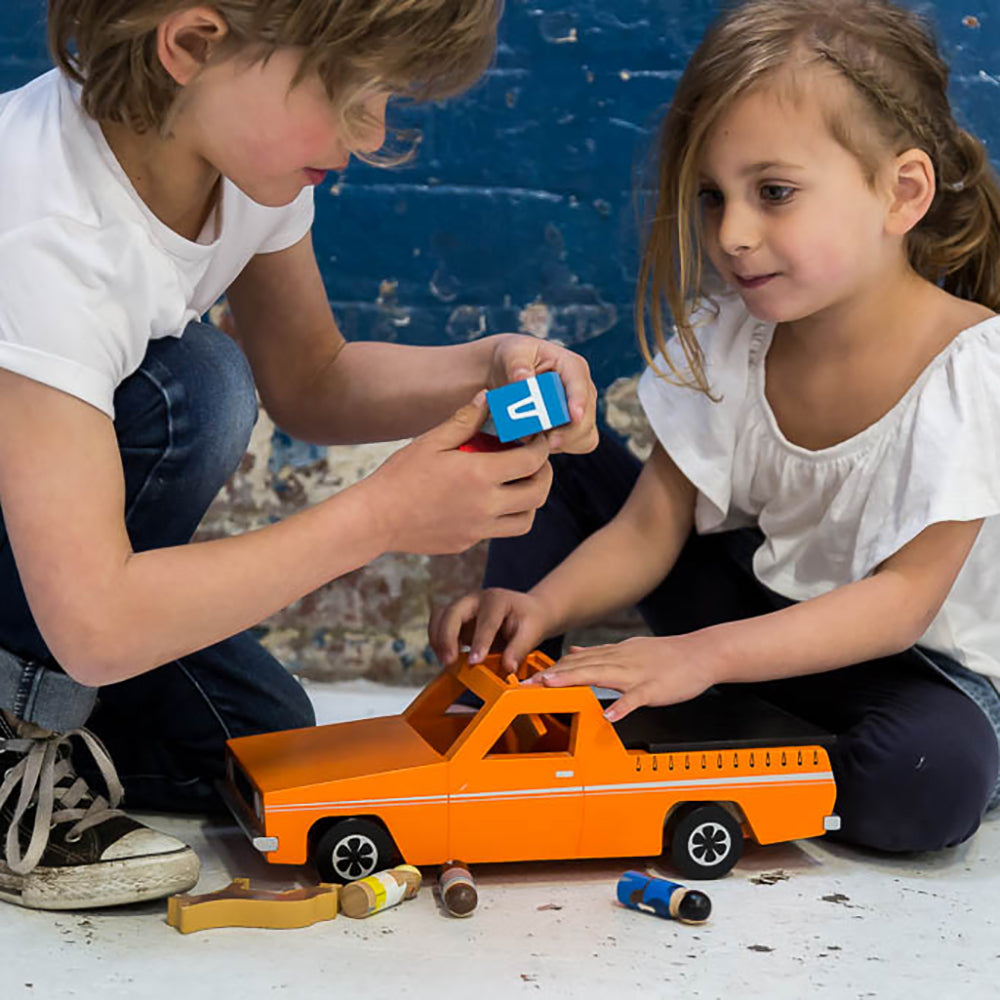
46,768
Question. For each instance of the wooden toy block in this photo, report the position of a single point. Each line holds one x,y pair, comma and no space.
240,906
527,407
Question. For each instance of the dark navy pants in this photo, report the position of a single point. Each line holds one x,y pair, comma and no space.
183,422
916,758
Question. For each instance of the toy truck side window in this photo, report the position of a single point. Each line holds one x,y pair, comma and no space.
536,734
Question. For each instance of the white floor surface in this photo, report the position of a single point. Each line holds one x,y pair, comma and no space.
843,924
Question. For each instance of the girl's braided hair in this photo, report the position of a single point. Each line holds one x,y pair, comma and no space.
889,56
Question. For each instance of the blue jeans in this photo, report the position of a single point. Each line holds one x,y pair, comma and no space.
916,757
183,422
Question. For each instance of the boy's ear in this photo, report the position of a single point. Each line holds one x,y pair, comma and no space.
186,39
913,185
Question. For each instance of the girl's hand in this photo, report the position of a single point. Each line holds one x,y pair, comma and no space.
661,670
433,499
518,356
478,618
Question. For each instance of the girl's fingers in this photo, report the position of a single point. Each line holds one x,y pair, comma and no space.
586,656
609,675
632,699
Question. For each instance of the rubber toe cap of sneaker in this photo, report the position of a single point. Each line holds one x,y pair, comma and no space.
142,843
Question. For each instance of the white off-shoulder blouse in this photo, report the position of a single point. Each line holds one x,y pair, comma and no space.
830,517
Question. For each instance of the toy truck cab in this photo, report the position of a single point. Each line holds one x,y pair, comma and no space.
531,773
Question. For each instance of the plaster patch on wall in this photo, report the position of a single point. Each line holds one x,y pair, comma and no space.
535,319
444,286
466,323
391,315
624,415
557,27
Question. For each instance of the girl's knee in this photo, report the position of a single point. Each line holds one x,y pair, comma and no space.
919,790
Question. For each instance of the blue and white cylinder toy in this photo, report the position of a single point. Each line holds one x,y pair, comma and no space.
658,896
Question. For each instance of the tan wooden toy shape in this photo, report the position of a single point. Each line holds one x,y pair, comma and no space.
240,906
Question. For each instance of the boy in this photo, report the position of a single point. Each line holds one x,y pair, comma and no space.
169,159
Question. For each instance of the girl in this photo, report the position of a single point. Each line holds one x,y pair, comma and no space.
826,240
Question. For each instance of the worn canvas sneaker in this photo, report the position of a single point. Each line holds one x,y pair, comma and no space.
64,848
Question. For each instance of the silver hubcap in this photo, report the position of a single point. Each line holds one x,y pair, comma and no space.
354,856
709,843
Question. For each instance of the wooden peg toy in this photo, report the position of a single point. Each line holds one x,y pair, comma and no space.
458,890
664,898
379,891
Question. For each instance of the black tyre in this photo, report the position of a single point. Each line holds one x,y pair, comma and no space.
353,849
705,841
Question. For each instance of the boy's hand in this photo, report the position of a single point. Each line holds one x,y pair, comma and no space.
660,670
478,618
518,356
432,499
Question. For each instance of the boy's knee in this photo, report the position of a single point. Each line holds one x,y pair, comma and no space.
296,710
911,788
287,706
227,412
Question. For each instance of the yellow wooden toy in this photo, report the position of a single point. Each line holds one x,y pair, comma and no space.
240,906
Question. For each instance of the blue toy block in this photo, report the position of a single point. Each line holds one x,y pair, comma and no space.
531,406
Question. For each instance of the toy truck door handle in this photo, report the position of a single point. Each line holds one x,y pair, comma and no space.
565,774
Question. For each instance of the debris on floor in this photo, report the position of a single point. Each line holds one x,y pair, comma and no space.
769,878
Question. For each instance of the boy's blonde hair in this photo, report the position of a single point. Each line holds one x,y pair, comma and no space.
889,57
423,49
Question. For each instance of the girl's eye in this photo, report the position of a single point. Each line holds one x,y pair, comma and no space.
710,198
776,194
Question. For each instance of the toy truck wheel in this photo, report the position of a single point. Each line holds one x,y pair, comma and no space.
353,849
705,842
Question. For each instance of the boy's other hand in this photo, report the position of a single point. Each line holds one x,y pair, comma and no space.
518,356
432,499
477,619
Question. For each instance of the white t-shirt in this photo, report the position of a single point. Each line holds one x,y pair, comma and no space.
830,517
88,275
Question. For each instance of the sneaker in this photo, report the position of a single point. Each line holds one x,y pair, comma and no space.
64,848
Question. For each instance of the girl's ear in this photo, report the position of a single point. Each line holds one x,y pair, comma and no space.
186,39
913,186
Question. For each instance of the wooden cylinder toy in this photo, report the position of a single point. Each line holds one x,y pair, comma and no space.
379,891
663,898
458,890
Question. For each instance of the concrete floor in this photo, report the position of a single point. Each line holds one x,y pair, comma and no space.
841,925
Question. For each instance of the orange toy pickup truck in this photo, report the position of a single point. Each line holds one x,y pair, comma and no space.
532,773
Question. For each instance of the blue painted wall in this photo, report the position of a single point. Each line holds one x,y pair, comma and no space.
521,190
